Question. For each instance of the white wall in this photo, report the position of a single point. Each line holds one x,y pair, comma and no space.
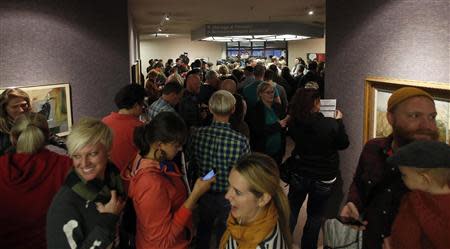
302,47
171,48
166,48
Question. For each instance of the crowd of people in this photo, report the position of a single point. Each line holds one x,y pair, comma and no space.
194,159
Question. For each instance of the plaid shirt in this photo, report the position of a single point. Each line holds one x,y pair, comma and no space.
376,190
217,147
159,106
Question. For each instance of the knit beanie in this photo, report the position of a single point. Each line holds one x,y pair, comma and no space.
405,93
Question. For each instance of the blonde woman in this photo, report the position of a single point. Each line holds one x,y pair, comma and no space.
259,216
85,212
30,175
267,122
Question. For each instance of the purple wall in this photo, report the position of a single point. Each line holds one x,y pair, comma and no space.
402,39
84,43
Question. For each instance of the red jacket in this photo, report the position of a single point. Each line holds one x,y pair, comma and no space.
158,198
423,222
123,149
28,183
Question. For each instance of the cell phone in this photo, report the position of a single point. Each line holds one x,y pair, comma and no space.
208,176
350,221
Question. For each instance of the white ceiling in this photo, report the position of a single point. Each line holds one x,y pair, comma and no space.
188,15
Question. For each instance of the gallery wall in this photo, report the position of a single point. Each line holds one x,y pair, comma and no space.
171,48
302,47
82,43
388,38
165,48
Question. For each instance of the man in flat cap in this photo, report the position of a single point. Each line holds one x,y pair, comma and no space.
377,188
423,220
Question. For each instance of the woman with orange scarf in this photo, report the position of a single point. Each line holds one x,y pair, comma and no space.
259,216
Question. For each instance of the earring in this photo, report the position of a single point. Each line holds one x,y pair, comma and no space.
162,155
155,154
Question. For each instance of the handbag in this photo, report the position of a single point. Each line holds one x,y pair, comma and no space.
288,173
339,236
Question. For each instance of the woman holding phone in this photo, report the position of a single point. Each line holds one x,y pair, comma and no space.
160,198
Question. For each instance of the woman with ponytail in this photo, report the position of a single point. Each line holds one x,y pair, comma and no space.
30,175
159,194
259,216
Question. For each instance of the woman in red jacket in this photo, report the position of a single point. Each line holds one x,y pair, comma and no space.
29,178
159,194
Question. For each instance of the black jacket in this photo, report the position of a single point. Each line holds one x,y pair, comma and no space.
259,130
74,222
317,141
189,109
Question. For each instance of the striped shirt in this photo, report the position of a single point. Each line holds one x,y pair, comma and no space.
274,241
217,147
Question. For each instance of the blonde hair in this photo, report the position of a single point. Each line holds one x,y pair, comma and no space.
222,103
89,131
262,175
223,70
5,121
262,87
30,132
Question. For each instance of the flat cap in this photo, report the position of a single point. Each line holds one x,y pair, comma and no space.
422,154
405,93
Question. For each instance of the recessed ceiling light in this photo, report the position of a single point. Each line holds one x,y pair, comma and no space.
166,17
311,12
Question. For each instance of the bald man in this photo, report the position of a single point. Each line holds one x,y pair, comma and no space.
228,85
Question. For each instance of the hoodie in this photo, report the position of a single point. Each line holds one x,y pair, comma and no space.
158,194
28,183
423,222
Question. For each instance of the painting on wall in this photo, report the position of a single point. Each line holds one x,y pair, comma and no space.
52,101
377,92
315,57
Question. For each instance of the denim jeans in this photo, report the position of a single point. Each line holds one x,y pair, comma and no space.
213,211
318,194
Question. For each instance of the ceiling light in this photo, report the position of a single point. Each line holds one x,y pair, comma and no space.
311,12
286,36
159,29
241,37
262,36
166,17
208,39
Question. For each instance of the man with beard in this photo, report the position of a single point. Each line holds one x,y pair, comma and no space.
377,187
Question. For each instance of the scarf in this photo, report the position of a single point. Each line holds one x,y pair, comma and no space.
97,190
249,236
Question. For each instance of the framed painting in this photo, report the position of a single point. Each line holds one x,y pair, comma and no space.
319,57
377,92
54,102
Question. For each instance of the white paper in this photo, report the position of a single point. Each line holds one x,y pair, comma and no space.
328,107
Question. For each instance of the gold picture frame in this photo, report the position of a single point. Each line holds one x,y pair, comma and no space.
54,102
377,91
